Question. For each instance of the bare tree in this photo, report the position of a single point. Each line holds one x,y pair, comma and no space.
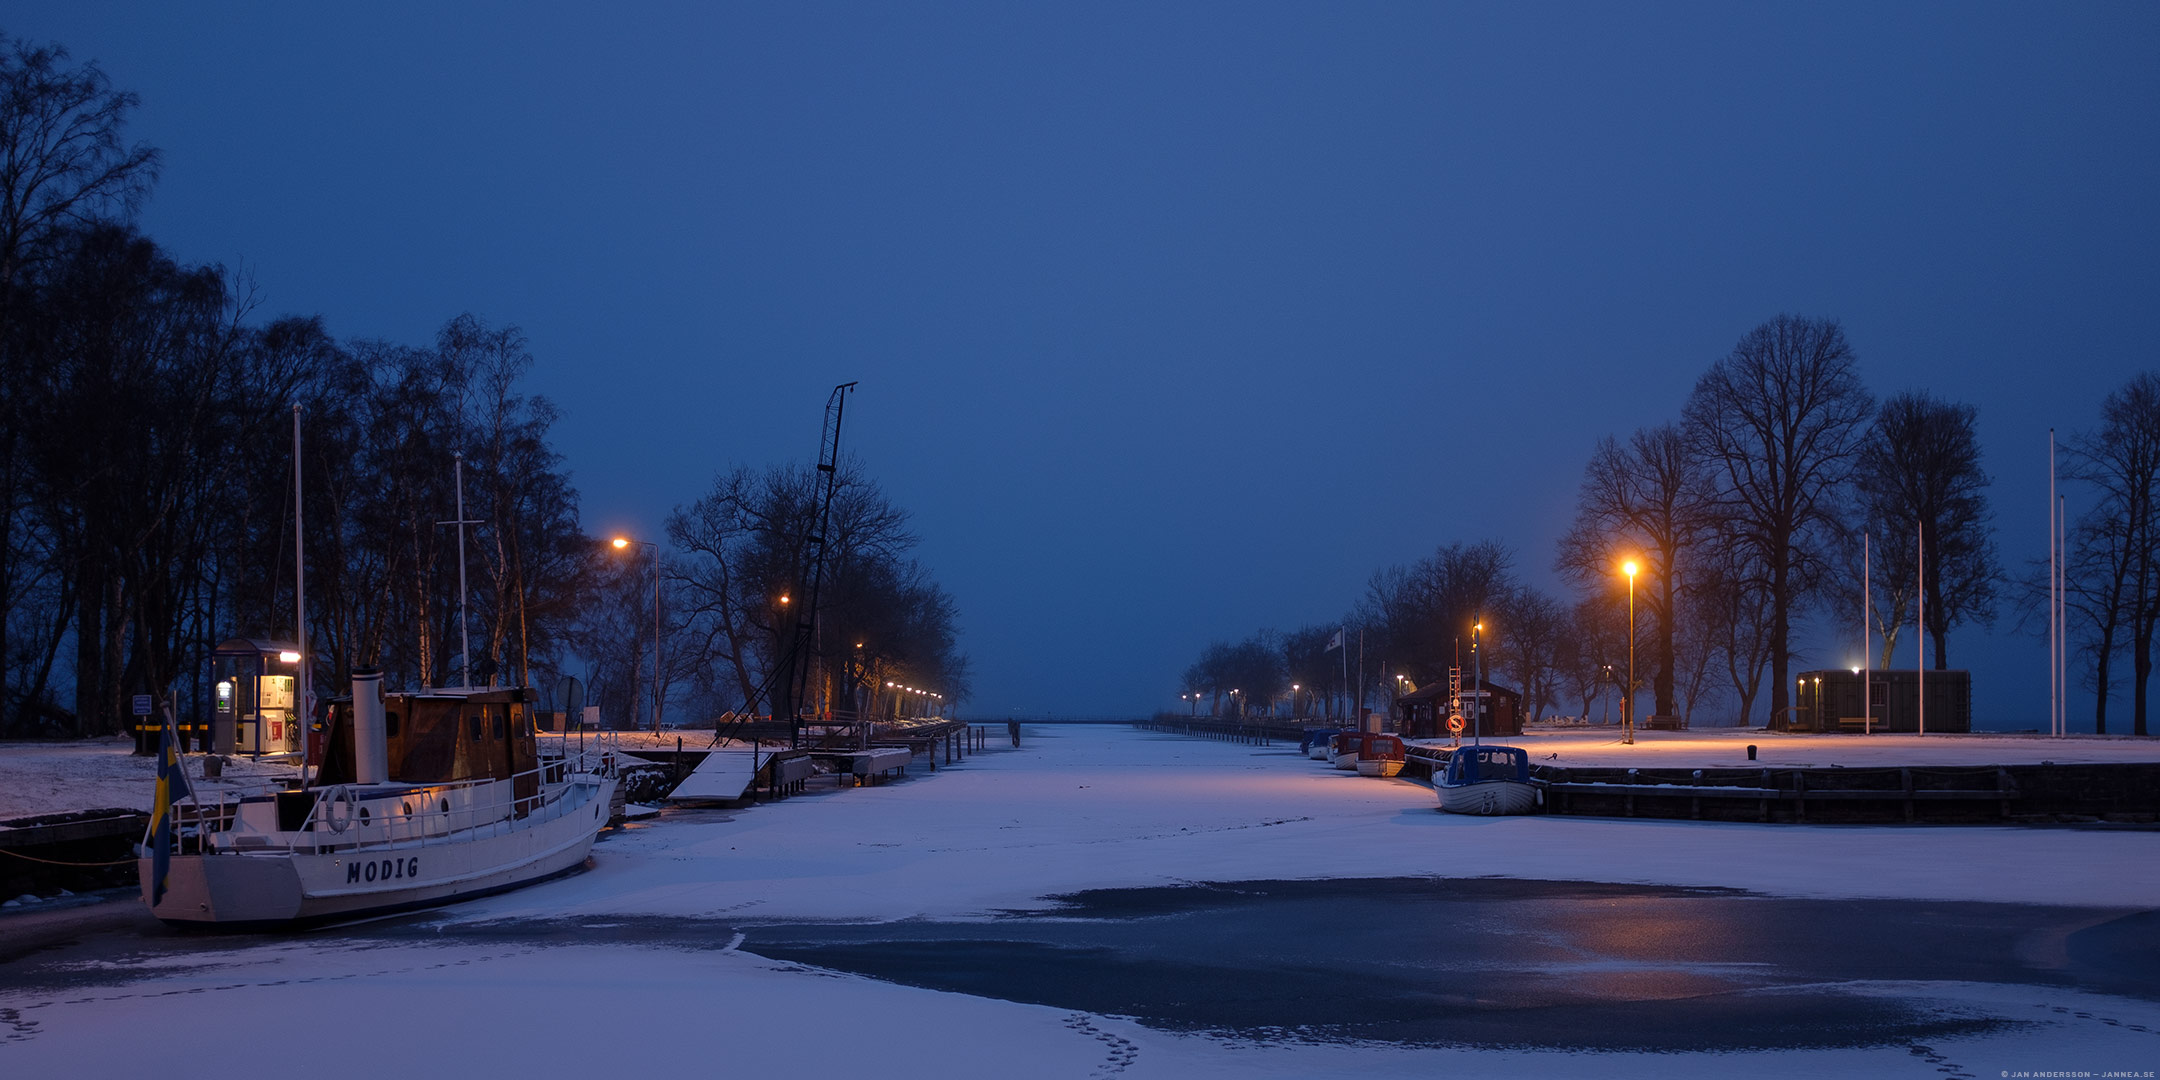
1313,668
64,165
1779,422
1595,652
1919,471
1419,613
1537,633
2114,567
740,548
1731,597
1649,499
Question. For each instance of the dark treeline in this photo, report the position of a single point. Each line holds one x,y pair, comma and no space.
146,477
1753,510
887,633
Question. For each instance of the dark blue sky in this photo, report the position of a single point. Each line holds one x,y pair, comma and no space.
1168,317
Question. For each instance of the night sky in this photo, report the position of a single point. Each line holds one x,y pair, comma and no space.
1177,321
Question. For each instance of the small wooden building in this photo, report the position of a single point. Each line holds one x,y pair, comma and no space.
1423,713
253,683
1831,701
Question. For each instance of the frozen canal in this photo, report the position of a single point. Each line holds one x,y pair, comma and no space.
1109,903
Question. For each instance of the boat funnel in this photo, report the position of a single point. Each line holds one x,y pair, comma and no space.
371,744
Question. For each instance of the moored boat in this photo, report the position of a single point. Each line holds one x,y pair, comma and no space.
1315,745
1380,755
1483,779
1343,749
422,798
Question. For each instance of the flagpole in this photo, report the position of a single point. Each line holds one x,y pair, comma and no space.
2055,717
1920,620
1867,636
305,684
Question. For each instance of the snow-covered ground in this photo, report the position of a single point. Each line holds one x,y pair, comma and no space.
1077,807
94,774
1101,807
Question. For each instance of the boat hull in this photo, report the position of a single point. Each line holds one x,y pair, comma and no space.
1488,797
1378,767
270,888
1346,762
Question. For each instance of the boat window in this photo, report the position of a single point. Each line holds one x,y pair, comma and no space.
498,725
472,725
390,723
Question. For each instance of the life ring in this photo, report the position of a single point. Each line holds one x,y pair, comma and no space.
338,796
1455,723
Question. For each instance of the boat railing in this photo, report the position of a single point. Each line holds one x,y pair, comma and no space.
344,817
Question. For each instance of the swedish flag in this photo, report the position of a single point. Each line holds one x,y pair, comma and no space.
172,786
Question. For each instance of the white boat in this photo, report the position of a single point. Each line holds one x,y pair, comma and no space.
1488,780
1343,750
421,799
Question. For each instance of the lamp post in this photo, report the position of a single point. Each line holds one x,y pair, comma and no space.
1477,667
1627,710
623,543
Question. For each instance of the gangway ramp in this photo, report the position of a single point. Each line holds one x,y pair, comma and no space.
722,777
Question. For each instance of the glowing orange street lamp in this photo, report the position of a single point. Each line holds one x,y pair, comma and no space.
622,543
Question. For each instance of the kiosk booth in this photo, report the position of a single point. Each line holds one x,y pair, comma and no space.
253,684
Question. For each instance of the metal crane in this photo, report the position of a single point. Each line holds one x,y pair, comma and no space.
787,684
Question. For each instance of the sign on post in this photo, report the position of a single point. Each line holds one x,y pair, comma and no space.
142,704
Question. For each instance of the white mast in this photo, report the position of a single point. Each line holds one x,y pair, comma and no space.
1867,637
2055,717
1920,620
305,684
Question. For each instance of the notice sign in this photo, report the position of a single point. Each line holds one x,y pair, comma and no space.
142,704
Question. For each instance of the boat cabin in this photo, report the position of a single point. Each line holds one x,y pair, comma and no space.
1472,764
1380,747
441,737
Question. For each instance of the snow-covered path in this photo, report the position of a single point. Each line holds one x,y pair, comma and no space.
1078,807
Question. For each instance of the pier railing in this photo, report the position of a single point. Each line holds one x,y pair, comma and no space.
1256,734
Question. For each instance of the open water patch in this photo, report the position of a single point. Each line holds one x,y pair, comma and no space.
1499,962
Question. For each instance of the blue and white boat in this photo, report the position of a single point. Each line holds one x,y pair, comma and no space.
1483,779
1315,745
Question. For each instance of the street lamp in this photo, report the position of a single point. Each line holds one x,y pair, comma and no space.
622,543
1627,711
1477,675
